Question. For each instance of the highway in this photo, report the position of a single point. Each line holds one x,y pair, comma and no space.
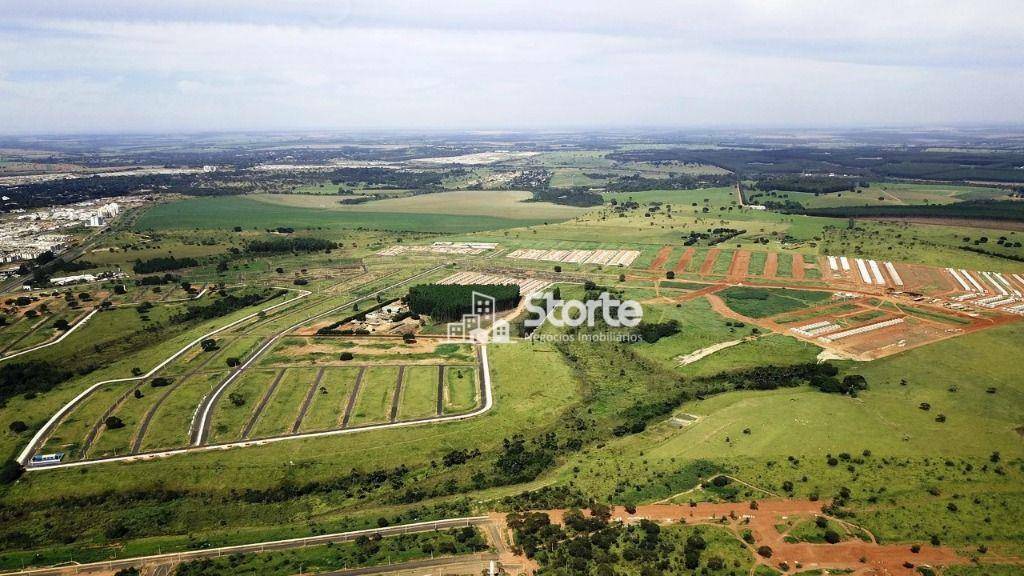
178,557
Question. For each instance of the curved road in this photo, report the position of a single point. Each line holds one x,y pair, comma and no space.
43,433
201,418
177,557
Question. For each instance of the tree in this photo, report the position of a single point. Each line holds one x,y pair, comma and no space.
236,399
832,537
208,345
232,362
10,471
346,356
764,551
670,275
113,423
61,325
17,427
558,268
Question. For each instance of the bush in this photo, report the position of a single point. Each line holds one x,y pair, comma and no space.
10,471
232,362
764,551
17,427
346,356
113,423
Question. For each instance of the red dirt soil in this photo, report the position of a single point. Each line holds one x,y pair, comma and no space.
738,266
771,265
798,267
684,260
709,261
660,258
882,558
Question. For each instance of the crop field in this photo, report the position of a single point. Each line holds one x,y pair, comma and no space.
509,204
228,212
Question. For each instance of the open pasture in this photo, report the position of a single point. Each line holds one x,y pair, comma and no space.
224,213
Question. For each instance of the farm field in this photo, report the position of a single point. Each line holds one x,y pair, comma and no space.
225,213
261,368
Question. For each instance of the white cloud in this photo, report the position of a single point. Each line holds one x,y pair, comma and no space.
111,66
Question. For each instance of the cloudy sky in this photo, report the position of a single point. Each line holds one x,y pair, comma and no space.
188,65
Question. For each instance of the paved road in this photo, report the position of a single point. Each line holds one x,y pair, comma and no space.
177,557
202,422
43,433
473,562
200,429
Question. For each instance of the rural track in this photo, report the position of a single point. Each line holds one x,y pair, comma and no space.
397,396
308,400
486,393
140,434
38,440
440,389
352,398
58,340
255,416
202,414
109,566
29,332
441,562
200,428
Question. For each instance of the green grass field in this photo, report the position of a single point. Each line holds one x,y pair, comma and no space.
764,302
224,213
373,405
329,401
419,393
460,389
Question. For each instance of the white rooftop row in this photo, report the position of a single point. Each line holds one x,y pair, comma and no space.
869,270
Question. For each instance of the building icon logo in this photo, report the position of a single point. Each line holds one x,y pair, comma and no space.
480,326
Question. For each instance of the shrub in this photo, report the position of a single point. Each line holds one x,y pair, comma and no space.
113,423
346,356
17,427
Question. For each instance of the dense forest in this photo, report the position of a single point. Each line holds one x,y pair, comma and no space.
571,197
808,184
974,210
162,264
638,183
390,179
280,245
448,302
861,161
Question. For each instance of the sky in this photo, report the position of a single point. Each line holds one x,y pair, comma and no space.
227,65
